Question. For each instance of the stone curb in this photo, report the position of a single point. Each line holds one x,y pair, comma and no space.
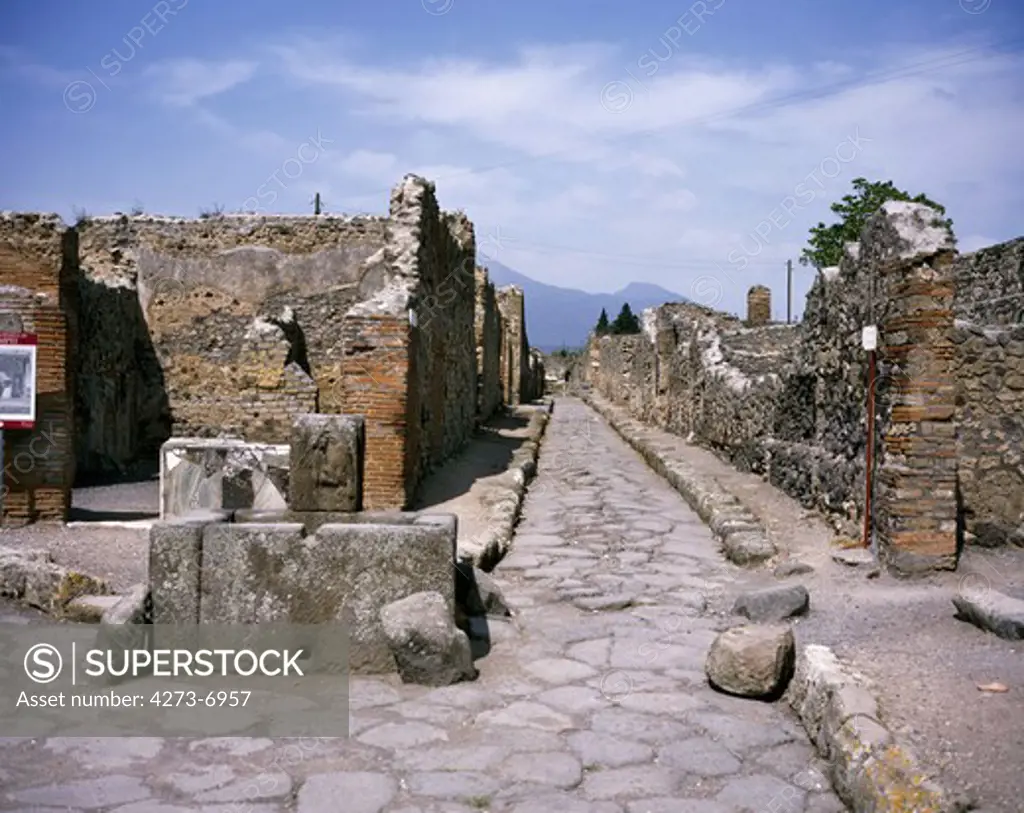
504,511
743,537
868,768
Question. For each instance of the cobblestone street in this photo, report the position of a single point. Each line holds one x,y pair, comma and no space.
592,699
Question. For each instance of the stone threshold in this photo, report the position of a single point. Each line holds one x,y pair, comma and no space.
743,536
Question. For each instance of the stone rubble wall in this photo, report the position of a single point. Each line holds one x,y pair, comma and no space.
790,402
990,431
219,325
488,346
522,370
38,295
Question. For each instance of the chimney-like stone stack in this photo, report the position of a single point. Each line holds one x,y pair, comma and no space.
759,306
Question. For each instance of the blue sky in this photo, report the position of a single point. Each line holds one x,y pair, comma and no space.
593,144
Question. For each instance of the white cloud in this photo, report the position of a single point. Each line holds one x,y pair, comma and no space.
183,82
700,160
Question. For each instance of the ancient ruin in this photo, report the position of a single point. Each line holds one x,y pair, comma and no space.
228,327
790,402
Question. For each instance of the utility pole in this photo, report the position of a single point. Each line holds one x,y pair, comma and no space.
789,292
316,204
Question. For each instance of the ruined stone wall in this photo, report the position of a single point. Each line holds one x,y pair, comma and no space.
515,363
410,359
38,295
790,402
488,346
212,327
989,337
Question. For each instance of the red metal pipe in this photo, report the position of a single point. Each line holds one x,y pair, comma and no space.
870,449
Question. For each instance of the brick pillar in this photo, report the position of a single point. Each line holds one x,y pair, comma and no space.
38,272
916,511
376,375
759,306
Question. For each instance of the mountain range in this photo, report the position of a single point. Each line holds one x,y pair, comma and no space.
563,317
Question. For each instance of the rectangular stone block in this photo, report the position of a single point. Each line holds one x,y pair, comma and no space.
354,570
326,463
175,553
252,573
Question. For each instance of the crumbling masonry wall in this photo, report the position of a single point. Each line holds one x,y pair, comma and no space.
410,358
989,337
209,327
37,295
522,372
488,346
789,402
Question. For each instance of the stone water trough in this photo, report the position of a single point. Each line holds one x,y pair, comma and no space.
390,577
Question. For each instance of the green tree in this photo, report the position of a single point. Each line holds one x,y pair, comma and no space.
625,323
601,328
825,245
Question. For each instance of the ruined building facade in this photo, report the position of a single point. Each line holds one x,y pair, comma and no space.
230,326
789,402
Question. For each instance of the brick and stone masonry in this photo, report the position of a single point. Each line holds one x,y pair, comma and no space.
789,402
37,295
759,306
231,326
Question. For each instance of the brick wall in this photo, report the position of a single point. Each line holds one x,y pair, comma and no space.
37,291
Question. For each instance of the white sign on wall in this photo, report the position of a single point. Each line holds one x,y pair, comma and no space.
17,380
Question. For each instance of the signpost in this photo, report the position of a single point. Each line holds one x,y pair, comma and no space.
17,390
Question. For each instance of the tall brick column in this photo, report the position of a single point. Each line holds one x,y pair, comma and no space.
916,511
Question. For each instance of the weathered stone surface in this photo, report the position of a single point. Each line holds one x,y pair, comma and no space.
362,792
773,603
33,578
748,547
175,550
326,463
89,609
869,769
752,661
991,610
428,648
791,567
477,592
344,573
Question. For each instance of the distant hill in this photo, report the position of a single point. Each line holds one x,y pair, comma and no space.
562,317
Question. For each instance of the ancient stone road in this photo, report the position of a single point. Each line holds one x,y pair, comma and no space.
593,699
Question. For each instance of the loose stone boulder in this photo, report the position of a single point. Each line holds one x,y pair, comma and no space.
752,661
428,647
773,603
